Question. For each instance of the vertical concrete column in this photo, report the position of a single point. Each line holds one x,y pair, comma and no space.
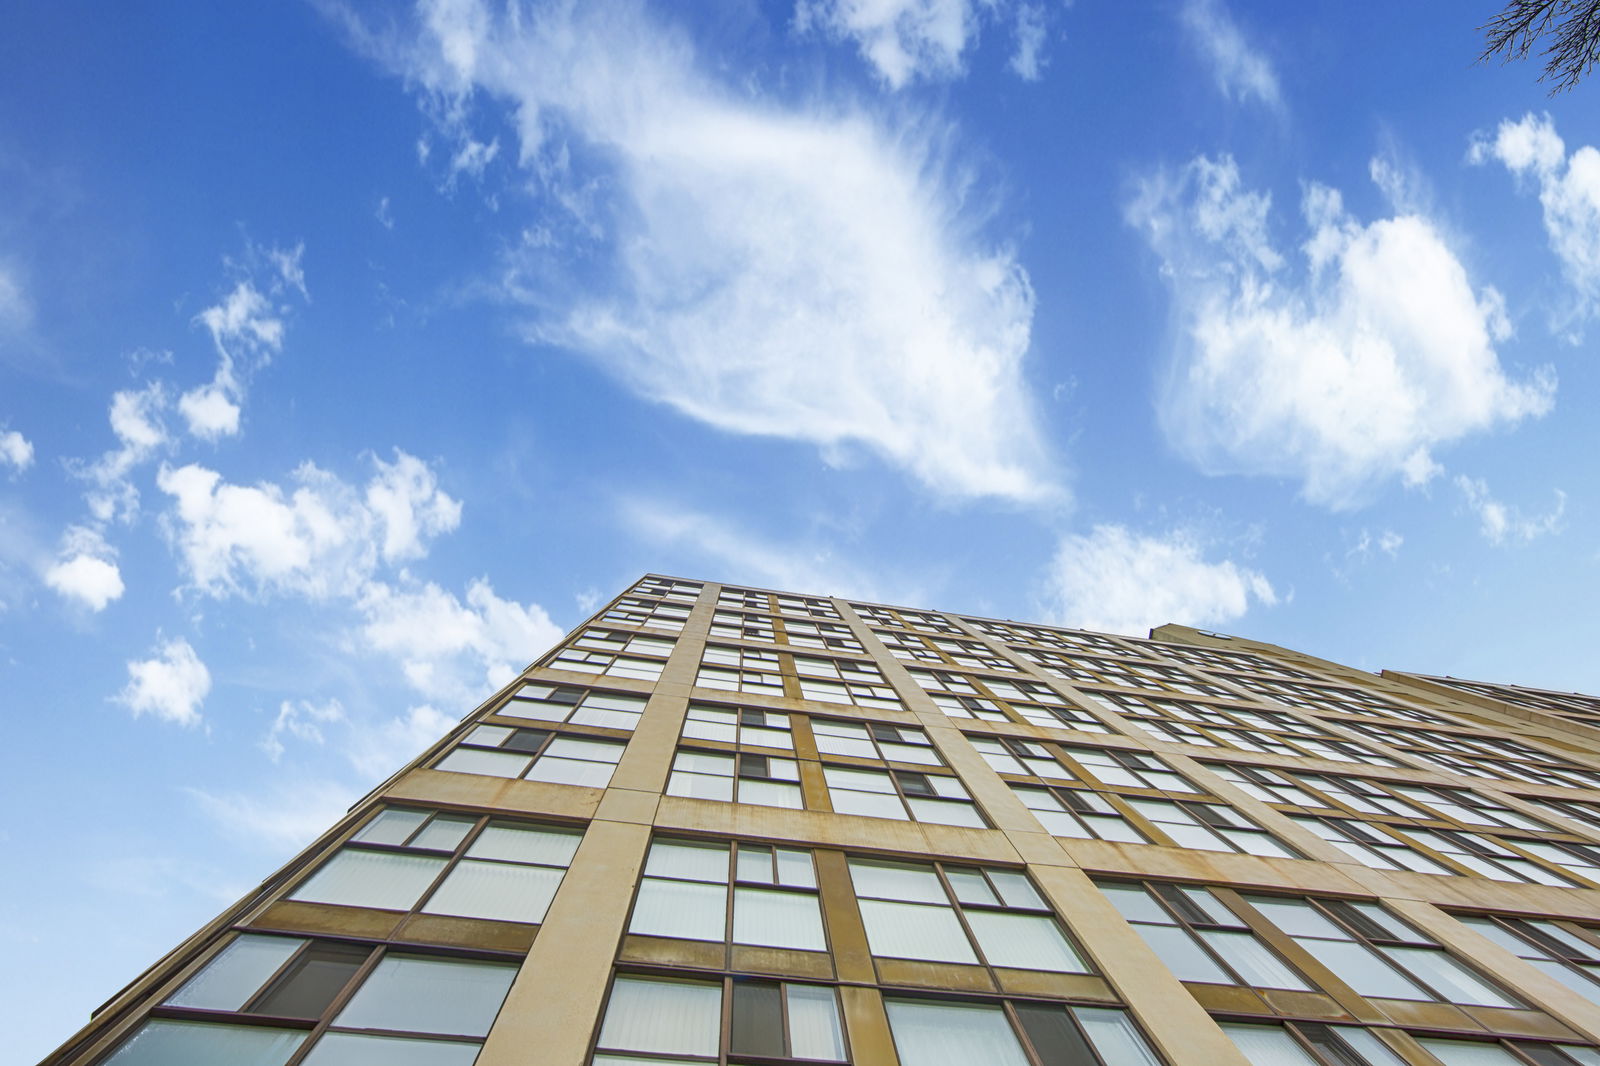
563,981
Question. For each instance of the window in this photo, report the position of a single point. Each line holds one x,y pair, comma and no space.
657,614
1078,813
901,794
989,699
534,755
1478,1053
1370,846
615,651
1310,1044
736,625
1376,954
1210,827
879,741
1132,769
806,605
736,778
451,864
744,726
579,706
669,589
1556,950
677,1022
1199,938
742,894
421,1010
845,681
955,1032
963,914
1486,856
740,670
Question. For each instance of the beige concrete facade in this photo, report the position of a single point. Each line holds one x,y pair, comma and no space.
1232,778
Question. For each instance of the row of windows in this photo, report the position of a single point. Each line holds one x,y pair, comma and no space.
776,629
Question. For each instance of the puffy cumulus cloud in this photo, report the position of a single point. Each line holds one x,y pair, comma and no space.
171,686
1569,194
86,571
383,748
303,720
449,649
1500,522
1345,376
1117,581
806,272
16,451
1241,71
136,419
323,538
246,328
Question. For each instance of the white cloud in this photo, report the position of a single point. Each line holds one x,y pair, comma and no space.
171,686
247,328
1117,581
1028,61
383,214
15,450
1346,377
1500,522
450,650
1569,193
1240,70
303,720
803,272
135,417
381,750
86,569
904,40
1384,542
324,538
742,557
290,816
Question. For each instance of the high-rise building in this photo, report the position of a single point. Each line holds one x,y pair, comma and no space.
722,825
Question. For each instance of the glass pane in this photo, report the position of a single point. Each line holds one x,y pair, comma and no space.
668,1017
392,826
971,887
777,919
1297,918
362,1049
814,1029
913,931
360,878
795,868
952,1034
1016,889
1253,960
1365,972
917,884
1114,1036
551,847
946,812
493,763
168,1043
1134,903
1051,1032
1453,981
700,786
1023,941
770,794
429,996
571,772
1464,1053
1375,1051
496,890
680,909
757,1018
868,804
314,980
692,862
1268,1045
444,833
1182,955
234,975
754,863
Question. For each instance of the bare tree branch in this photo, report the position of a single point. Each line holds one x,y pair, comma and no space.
1571,29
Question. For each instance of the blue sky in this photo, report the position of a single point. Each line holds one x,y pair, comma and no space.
350,355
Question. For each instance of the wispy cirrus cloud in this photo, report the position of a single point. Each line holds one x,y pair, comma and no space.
1502,523
1240,69
807,271
910,41
1346,374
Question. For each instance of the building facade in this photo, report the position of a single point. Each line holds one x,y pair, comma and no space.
723,825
